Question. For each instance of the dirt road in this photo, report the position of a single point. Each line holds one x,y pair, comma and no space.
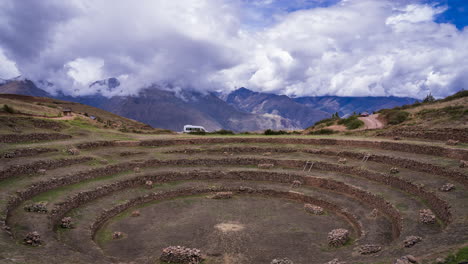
372,122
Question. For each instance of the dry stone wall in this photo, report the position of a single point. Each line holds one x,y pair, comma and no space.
35,137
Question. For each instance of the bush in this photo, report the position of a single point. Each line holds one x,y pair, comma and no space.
324,131
351,122
197,133
460,94
223,132
9,109
395,117
270,132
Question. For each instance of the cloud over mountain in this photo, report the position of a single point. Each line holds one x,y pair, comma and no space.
348,47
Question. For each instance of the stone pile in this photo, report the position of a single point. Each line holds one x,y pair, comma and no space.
447,187
33,239
282,261
265,166
342,161
335,261
408,259
246,189
117,235
374,213
66,222
369,249
394,170
296,184
338,237
463,164
411,241
73,151
313,209
182,255
426,216
135,213
40,207
222,195
452,142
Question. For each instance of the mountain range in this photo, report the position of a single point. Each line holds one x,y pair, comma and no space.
240,110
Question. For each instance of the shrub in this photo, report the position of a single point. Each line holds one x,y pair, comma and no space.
395,117
197,133
274,132
223,132
9,109
324,131
460,94
351,122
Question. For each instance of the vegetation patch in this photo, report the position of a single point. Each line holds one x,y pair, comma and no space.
351,122
394,116
453,112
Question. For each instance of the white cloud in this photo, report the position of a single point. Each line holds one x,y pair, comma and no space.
356,47
8,68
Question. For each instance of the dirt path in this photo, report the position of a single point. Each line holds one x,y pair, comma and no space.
372,122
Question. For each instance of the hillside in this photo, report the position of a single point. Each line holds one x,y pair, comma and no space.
52,109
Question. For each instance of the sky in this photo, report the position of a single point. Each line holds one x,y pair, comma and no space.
293,47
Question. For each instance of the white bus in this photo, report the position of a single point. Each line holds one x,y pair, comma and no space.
190,128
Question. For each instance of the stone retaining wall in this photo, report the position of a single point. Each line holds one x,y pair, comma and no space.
35,137
25,152
385,145
33,168
460,134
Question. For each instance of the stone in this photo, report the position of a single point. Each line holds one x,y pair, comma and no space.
137,170
149,184
117,235
463,164
374,213
313,209
369,249
182,255
246,189
335,261
73,151
394,170
396,138
452,142
411,241
338,237
426,216
32,239
408,259
40,207
66,222
282,261
440,260
41,171
342,161
135,213
447,187
411,258
267,154
296,184
222,195
266,166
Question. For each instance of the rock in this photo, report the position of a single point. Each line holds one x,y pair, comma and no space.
267,154
66,222
137,170
149,184
452,142
411,258
182,255
396,138
394,170
374,213
117,235
33,239
426,216
40,207
338,237
73,151
41,171
226,153
463,164
342,161
265,166
369,249
135,213
296,184
336,261
408,259
411,241
313,209
246,189
282,261
222,195
447,187
440,260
